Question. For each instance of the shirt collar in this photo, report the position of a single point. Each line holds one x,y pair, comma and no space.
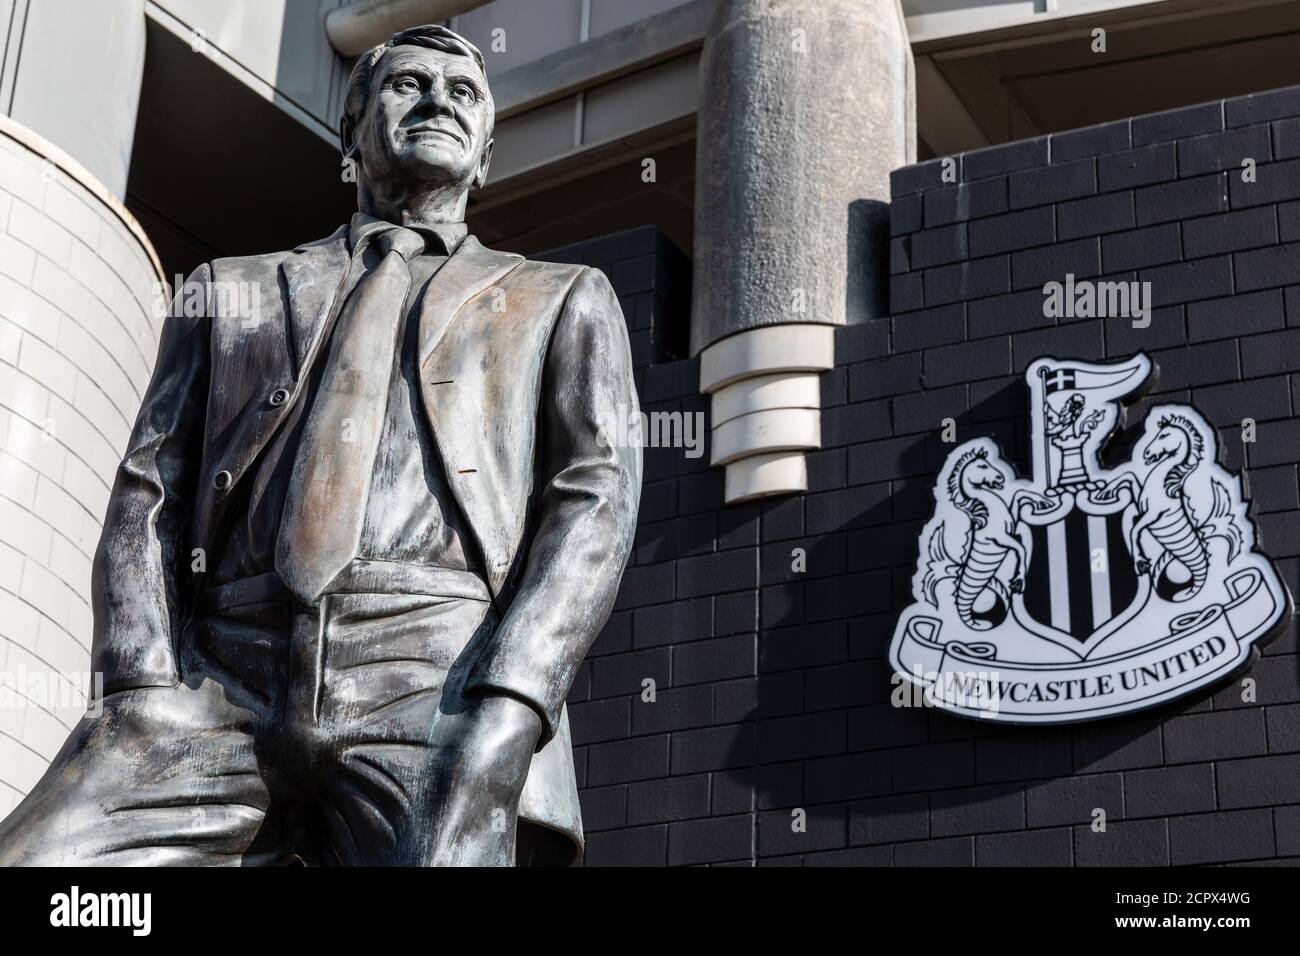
441,238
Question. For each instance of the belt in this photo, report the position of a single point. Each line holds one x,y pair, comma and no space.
360,577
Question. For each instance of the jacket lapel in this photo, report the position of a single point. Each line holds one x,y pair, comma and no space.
312,280
470,270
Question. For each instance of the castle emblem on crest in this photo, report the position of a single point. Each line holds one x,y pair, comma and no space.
1085,592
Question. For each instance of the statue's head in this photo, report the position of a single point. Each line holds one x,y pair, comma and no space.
418,114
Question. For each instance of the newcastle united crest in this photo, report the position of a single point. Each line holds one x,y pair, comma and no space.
1085,592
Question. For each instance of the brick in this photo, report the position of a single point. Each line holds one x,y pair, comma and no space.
603,808
1176,124
1224,151
1006,158
646,585
1091,141
1229,232
673,623
734,700
879,378
848,777
1183,199
640,758
735,612
1135,843
803,737
1103,747
1265,268
1165,791
1154,245
890,819
623,673
956,851
716,573
1274,182
719,659
1045,754
1188,281
1203,364
1283,728
1221,837
1111,212
1016,312
1260,107
599,720
1259,782
1235,316
1067,800
1014,230
641,846
1271,354
825,830
930,327
1286,825
660,801
714,748
977,810
917,177
1035,848
1034,267
905,214
856,507
965,201
938,246
855,857
1037,187
934,766
950,364
1215,736
1262,398
853,424
1137,167
967,280
672,709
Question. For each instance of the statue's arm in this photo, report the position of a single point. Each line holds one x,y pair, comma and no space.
587,513
137,581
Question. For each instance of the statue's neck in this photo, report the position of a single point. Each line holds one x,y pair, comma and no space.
403,206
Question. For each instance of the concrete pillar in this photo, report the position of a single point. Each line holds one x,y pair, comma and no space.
805,108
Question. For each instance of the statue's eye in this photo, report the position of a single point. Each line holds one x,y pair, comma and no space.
406,84
463,92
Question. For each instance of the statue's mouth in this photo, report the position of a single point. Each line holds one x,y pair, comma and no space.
417,132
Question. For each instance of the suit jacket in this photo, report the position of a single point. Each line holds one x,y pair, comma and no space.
521,364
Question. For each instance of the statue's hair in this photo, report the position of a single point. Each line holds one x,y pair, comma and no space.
431,36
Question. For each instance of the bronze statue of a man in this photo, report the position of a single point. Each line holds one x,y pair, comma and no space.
361,539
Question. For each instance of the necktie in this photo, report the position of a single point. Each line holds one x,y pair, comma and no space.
326,502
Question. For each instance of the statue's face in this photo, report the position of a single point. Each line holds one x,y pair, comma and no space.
427,119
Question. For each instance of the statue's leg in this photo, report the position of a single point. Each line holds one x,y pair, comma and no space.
162,775
389,667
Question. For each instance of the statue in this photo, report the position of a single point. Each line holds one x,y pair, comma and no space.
362,536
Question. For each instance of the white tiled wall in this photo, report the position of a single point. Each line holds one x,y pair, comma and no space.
77,344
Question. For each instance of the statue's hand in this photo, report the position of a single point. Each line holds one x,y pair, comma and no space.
483,754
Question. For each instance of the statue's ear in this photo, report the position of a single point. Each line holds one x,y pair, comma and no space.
347,138
484,160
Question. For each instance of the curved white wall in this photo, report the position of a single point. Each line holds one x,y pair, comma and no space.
78,335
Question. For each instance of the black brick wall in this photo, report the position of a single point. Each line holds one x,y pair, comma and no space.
773,689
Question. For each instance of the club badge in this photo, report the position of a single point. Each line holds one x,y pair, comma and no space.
1085,592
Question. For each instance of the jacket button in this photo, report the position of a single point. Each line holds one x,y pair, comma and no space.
279,397
221,481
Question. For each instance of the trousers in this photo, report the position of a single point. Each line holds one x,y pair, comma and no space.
295,734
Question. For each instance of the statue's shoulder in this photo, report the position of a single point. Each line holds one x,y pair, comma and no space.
267,263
